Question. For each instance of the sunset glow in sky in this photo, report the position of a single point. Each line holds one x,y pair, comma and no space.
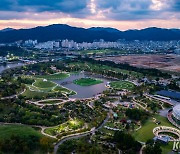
121,14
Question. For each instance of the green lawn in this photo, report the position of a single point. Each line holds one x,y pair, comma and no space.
56,76
33,94
46,92
61,89
43,88
27,135
146,132
41,83
6,131
97,67
87,81
119,85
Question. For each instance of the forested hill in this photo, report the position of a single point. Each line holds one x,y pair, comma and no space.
61,31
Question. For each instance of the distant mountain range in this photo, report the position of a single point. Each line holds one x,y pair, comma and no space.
62,31
6,29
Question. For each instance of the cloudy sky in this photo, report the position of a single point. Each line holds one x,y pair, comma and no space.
121,14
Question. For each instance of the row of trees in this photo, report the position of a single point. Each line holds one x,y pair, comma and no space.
144,71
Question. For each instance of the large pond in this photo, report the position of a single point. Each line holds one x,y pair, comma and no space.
9,65
83,91
169,93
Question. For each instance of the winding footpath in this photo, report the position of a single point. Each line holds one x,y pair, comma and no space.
13,96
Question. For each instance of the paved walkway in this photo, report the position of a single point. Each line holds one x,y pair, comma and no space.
141,150
13,96
160,99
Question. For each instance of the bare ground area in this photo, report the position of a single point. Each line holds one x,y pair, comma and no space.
163,62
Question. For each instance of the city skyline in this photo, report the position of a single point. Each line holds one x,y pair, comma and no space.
120,14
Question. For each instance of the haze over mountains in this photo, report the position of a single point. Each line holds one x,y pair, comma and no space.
61,31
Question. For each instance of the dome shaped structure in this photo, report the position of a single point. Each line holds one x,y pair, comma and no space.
176,114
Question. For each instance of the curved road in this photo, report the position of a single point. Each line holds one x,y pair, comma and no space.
75,136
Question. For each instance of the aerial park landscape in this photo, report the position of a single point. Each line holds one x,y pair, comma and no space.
89,77
128,103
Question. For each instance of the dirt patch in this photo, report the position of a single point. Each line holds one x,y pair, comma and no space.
163,62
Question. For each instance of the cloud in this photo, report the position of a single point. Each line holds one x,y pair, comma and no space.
138,9
118,10
43,5
176,5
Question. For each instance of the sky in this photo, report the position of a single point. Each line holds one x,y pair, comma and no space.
120,14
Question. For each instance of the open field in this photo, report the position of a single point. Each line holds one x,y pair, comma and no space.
163,62
87,81
6,131
43,84
47,86
102,52
98,68
146,132
119,85
56,76
34,94
16,138
44,88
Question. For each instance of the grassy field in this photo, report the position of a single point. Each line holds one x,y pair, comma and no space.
33,94
42,88
98,67
104,52
41,83
6,131
87,81
27,136
146,132
119,85
61,89
56,76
